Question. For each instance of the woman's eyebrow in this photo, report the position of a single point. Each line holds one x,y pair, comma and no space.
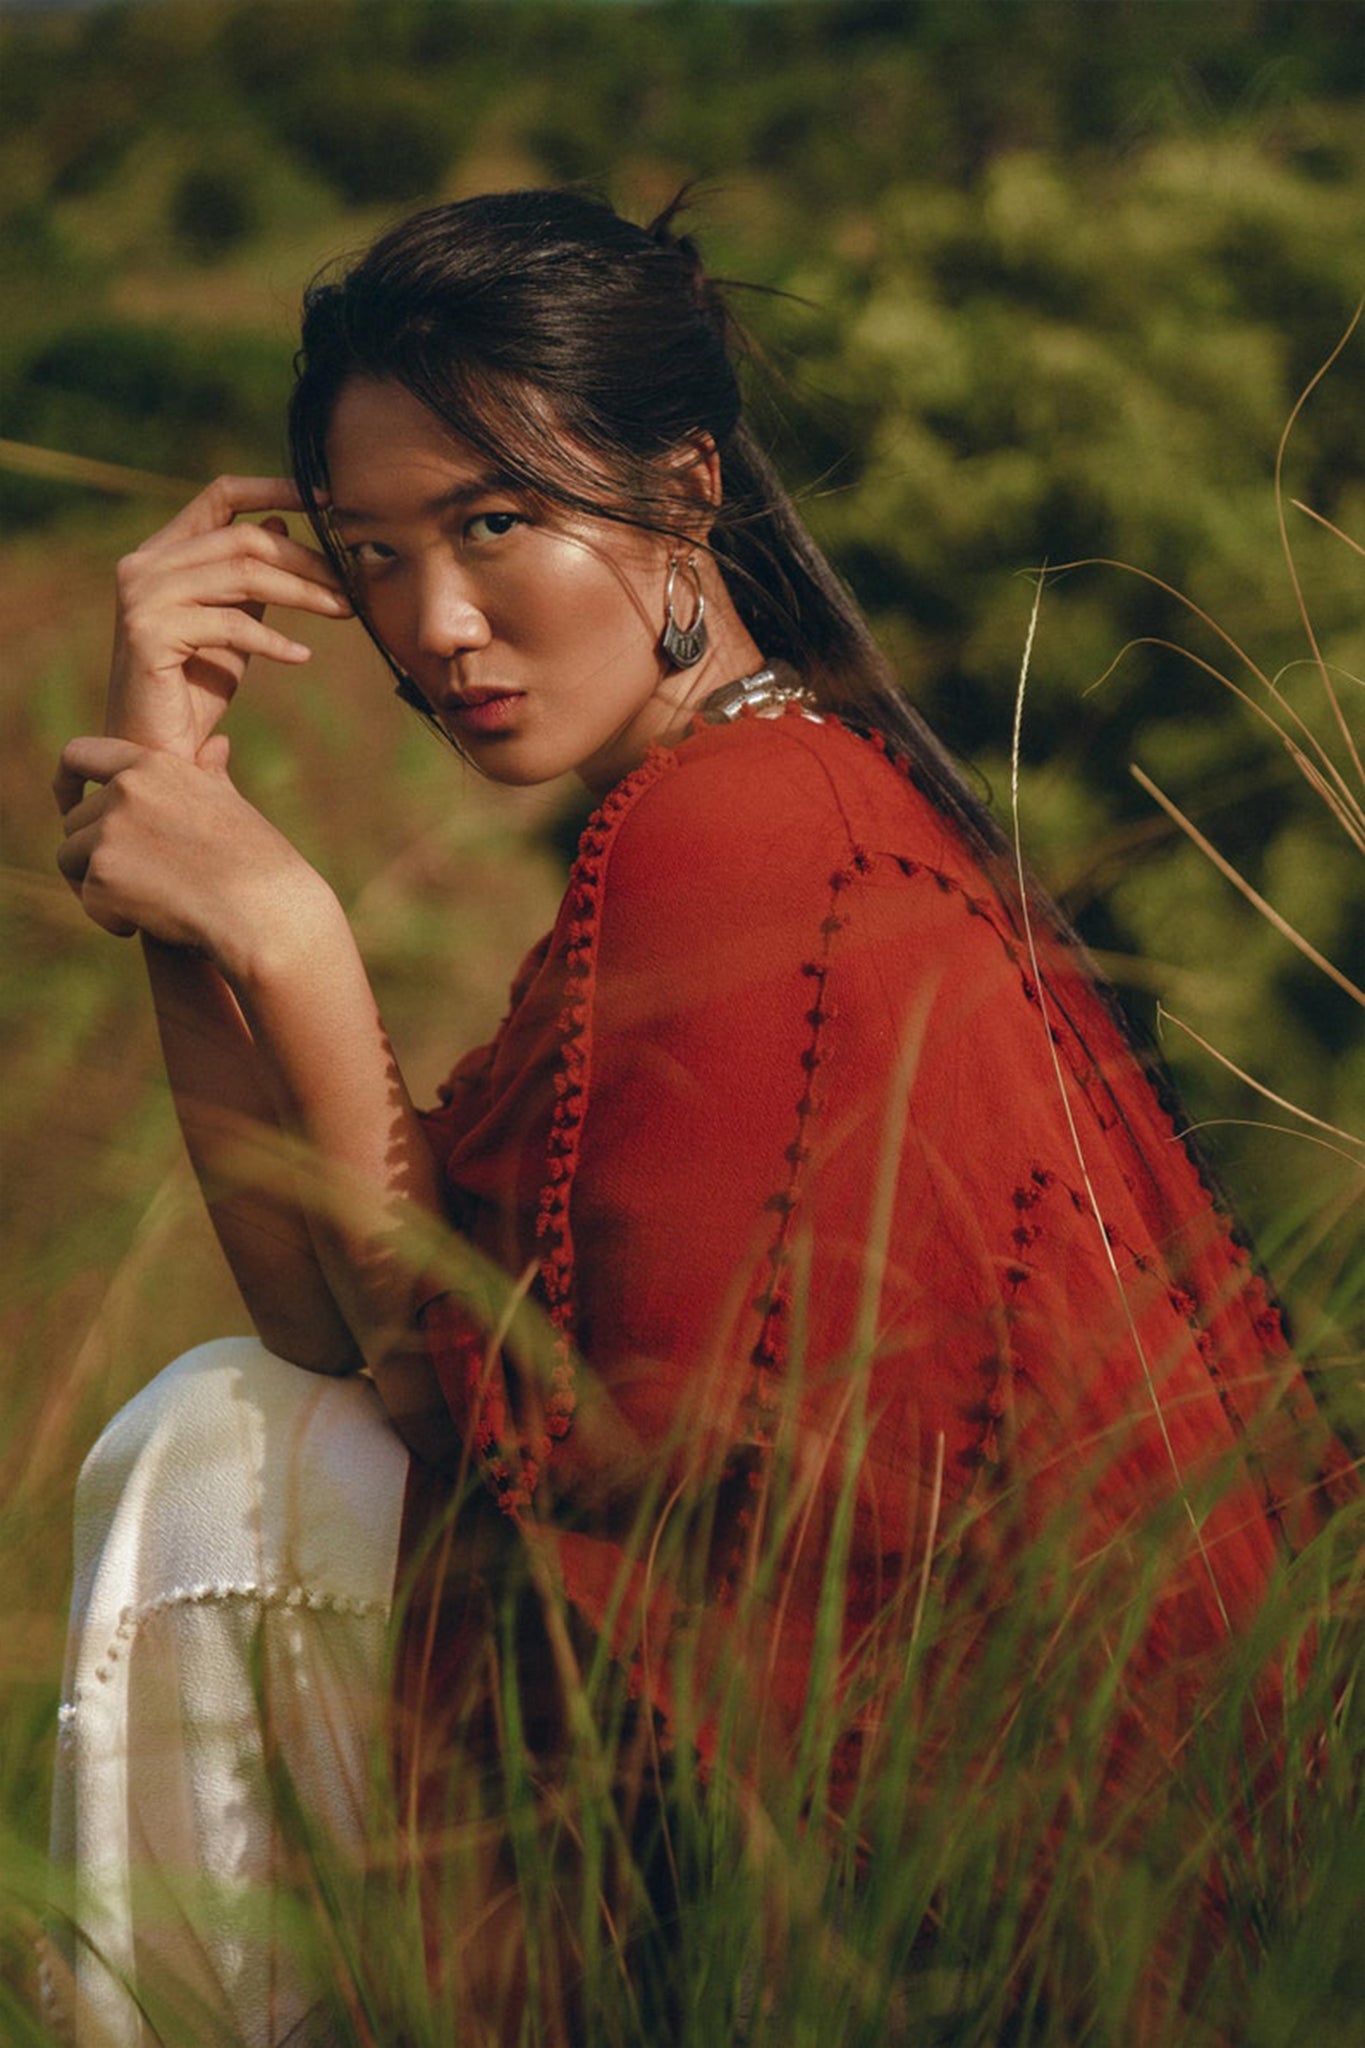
431,508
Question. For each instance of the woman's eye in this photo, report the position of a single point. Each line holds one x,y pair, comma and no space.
491,525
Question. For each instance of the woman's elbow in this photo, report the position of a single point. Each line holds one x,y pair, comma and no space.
320,1351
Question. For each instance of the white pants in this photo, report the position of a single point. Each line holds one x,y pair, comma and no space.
237,1535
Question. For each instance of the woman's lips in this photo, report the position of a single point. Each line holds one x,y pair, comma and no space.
483,710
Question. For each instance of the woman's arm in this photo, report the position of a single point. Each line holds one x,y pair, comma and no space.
336,1089
279,1065
170,848
232,1136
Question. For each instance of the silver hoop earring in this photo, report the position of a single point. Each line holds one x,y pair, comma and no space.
684,646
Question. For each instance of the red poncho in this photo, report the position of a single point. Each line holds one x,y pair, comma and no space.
802,1143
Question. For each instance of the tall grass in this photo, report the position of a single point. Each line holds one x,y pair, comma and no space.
940,1850
1316,734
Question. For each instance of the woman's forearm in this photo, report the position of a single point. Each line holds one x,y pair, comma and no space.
323,1058
313,1228
313,1160
233,1136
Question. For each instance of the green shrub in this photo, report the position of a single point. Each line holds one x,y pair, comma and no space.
214,210
373,139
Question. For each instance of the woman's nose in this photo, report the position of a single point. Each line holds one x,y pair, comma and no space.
449,619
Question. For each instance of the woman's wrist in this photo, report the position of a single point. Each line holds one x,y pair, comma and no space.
284,931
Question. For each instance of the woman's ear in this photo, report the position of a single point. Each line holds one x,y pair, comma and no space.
695,474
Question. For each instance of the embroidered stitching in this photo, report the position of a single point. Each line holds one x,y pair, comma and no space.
269,1594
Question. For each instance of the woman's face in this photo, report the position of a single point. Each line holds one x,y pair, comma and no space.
533,637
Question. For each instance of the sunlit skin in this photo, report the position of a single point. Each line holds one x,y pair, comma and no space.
532,633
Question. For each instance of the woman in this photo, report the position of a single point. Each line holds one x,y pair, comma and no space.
810,1222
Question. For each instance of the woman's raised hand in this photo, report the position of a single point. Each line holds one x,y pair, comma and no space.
163,843
166,846
190,606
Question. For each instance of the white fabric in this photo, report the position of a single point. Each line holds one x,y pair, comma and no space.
236,1541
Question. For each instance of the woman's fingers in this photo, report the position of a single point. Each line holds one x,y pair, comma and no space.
74,856
206,628
267,541
202,558
237,565
190,610
274,524
220,502
84,761
90,758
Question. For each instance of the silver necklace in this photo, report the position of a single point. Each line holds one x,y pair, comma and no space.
764,692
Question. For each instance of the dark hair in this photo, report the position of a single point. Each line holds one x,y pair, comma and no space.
577,350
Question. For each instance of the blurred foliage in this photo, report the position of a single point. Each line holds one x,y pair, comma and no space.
184,404
213,208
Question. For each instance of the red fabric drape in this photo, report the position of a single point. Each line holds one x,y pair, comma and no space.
792,1125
